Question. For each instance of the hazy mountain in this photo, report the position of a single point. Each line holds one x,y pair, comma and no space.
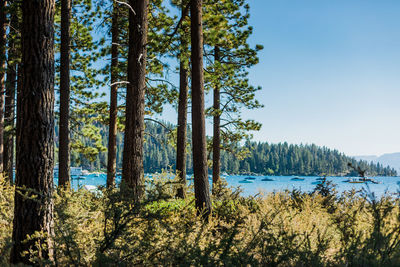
392,159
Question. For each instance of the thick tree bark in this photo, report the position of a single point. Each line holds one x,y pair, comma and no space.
9,110
64,179
182,120
3,41
35,133
132,164
200,169
112,130
216,130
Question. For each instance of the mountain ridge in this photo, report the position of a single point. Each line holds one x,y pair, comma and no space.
387,159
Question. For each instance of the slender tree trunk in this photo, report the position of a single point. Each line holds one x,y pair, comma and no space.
35,134
64,179
200,168
182,119
3,41
182,129
112,130
9,110
132,164
216,130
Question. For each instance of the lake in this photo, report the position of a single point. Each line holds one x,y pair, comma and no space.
279,183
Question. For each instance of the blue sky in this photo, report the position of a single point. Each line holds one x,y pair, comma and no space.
329,72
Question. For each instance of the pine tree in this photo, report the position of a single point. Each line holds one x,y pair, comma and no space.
33,208
182,105
112,132
10,91
200,169
3,42
227,31
64,178
216,166
132,166
87,111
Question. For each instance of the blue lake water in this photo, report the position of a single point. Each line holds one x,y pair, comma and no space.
279,183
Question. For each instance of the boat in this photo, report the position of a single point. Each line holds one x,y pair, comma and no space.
267,179
356,182
317,182
297,178
246,181
250,178
371,180
361,180
79,178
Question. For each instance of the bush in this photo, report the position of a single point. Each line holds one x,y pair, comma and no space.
279,229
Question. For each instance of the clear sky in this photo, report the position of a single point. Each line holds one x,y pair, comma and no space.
330,72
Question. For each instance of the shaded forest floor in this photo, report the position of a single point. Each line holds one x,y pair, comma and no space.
280,229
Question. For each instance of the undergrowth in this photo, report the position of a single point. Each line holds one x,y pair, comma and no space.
105,228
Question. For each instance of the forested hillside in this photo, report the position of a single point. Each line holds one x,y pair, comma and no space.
285,159
262,157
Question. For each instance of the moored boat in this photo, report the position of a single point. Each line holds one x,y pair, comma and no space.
266,179
317,182
361,180
246,181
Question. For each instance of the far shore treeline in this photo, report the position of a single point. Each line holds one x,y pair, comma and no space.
258,158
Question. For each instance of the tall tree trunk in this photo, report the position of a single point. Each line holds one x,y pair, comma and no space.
200,169
216,129
182,118
64,179
35,133
112,130
9,110
132,164
3,41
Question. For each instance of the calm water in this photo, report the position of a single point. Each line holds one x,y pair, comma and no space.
282,183
279,183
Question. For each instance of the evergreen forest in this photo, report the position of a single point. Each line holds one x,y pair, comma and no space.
259,158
